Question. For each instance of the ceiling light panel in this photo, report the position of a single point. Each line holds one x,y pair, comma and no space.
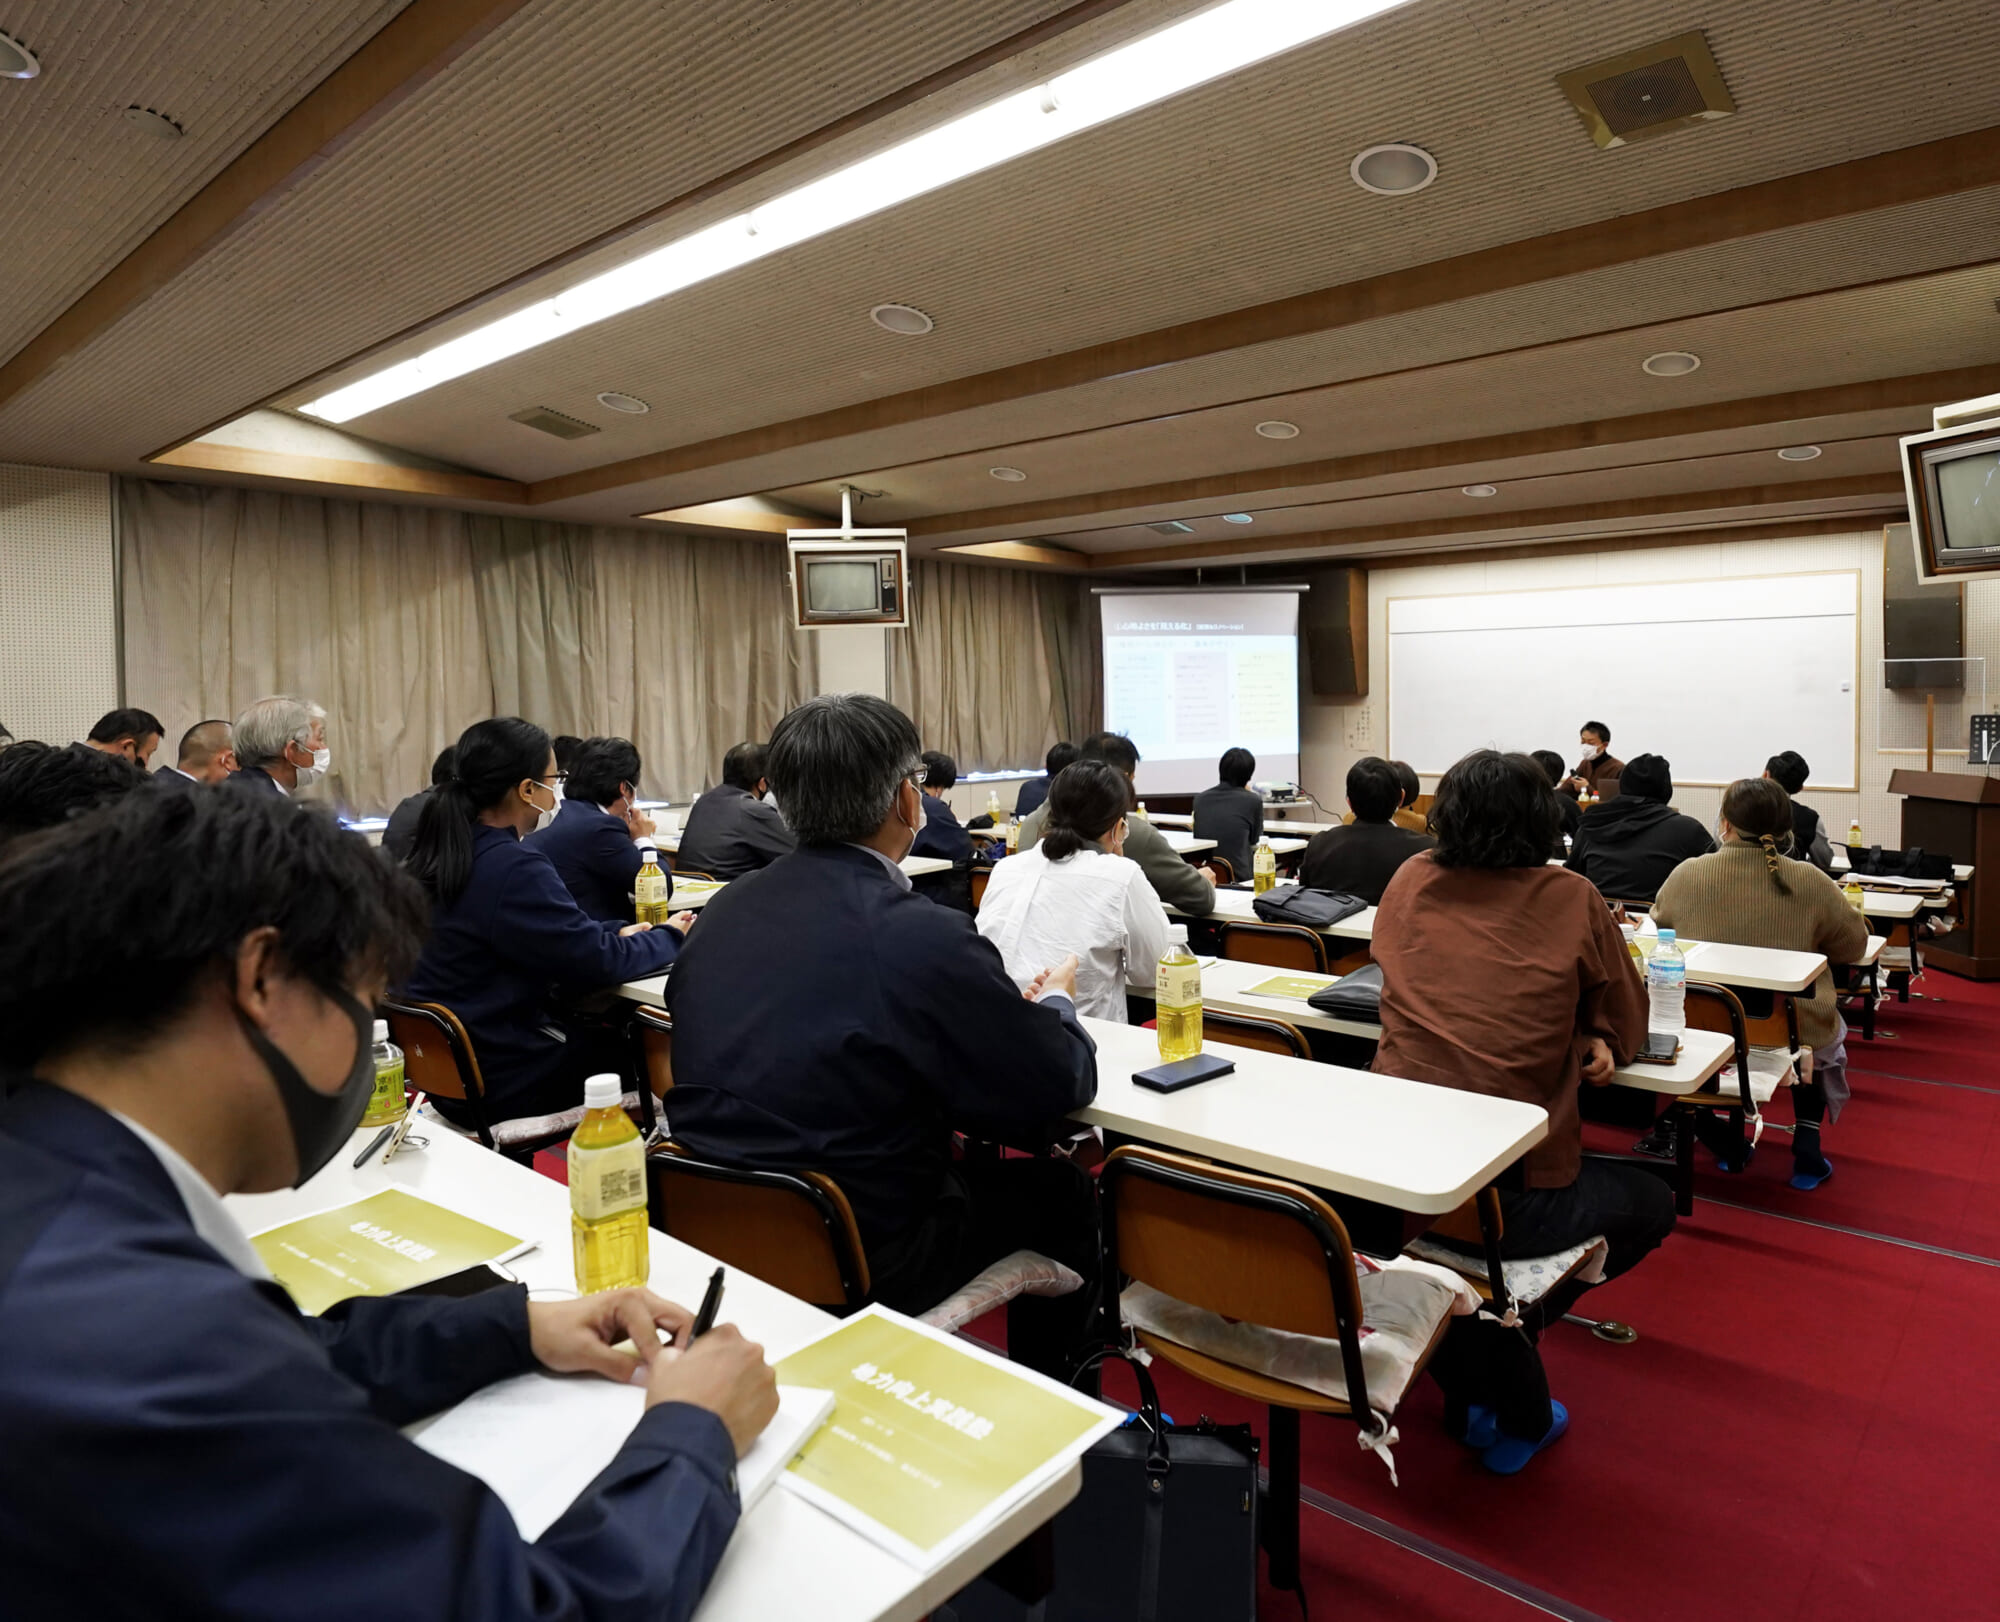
1195,51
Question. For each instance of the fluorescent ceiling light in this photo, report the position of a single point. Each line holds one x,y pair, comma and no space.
1195,51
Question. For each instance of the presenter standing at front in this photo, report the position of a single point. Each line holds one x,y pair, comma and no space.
1597,767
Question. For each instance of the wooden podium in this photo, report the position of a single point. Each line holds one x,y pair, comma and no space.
1959,813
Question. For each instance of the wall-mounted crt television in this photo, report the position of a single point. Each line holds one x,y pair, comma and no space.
1952,478
849,582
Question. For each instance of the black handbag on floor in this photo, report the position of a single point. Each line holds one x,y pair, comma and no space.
1164,1530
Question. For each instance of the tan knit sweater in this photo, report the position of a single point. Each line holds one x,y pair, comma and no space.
1731,896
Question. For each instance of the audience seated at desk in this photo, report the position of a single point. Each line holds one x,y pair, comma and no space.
504,929
1748,894
592,840
1599,769
402,830
827,1019
225,1455
1810,842
207,755
730,830
1409,788
1181,886
133,734
1232,813
43,784
280,746
1036,789
1360,857
941,835
1077,892
1503,975
1572,813
1628,845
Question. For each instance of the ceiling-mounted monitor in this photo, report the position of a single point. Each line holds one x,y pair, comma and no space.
1952,478
849,576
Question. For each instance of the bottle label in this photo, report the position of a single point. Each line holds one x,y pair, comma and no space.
1177,985
607,1182
650,889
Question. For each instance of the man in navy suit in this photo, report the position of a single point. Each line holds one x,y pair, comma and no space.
827,1019
942,834
180,1440
592,838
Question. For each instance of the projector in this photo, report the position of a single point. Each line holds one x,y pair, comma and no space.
1279,791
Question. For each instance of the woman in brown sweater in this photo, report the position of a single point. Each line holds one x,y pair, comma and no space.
1748,894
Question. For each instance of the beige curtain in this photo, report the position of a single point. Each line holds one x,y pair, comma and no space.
410,623
997,664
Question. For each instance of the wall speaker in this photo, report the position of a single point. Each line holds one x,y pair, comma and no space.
1919,623
1335,623
1650,91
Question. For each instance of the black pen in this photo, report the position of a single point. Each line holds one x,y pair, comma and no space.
376,1142
704,1320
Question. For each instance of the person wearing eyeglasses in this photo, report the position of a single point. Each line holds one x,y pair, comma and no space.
505,929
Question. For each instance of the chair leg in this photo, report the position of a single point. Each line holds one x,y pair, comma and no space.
1281,1499
1684,1165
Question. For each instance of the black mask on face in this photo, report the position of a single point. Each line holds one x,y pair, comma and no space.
320,1123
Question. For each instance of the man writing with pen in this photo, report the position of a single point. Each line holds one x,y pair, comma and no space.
180,1440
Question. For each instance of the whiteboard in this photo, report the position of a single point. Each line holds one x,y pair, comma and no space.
1717,675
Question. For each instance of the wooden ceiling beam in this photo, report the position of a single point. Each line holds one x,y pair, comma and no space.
1909,174
423,39
1918,390
1888,487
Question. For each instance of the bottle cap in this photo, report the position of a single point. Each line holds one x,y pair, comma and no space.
381,1030
1177,934
648,851
1667,934
602,1092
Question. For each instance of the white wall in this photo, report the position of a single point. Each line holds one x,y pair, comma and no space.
58,602
1336,732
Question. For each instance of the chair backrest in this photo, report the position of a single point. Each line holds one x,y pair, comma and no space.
1225,870
1248,1247
1250,1031
980,875
1281,946
793,1230
438,1058
655,1031
691,873
1757,1019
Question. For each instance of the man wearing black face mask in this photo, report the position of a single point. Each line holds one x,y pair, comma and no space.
197,1446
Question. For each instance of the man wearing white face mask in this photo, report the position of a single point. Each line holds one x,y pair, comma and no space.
281,746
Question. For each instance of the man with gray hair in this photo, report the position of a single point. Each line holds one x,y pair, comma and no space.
828,1019
280,746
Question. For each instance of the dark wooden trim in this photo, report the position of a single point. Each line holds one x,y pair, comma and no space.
1909,174
419,43
1921,390
341,473
1621,541
1888,486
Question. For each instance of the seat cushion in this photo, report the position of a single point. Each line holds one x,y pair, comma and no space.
1770,1069
529,1128
1528,1278
1024,1272
1403,1305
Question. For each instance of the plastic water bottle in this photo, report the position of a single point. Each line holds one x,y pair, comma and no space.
607,1193
1177,998
1263,867
1854,834
649,889
387,1103
1666,987
1857,898
993,809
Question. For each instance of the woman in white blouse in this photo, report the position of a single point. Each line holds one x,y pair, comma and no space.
1075,892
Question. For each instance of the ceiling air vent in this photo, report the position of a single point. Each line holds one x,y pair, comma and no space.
1650,91
1173,526
553,422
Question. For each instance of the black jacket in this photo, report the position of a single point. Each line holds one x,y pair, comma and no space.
1809,838
1360,858
1234,818
401,833
730,832
213,1453
826,1019
1628,845
941,834
594,854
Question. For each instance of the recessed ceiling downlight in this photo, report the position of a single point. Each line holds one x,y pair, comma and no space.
1393,170
904,319
1278,430
1480,490
1670,363
1236,518
155,124
16,60
1007,475
1799,453
630,404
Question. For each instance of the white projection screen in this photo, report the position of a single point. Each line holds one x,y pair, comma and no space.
1717,675
1190,673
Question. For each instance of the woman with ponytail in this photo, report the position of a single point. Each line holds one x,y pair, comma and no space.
1751,892
1077,892
504,929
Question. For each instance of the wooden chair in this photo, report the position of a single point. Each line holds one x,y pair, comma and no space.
1250,1031
793,1230
1225,871
653,1033
980,875
1259,1251
1281,946
1773,1022
691,873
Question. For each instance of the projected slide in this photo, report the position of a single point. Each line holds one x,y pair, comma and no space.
1190,674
